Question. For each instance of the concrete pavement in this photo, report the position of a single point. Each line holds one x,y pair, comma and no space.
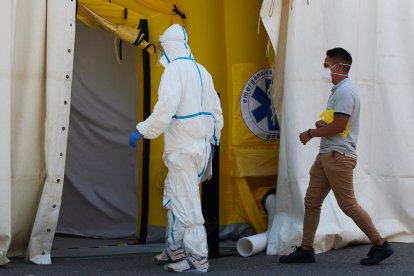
335,262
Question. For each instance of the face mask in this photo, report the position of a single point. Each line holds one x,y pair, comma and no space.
327,75
162,57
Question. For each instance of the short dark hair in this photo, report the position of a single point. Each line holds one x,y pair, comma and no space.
340,55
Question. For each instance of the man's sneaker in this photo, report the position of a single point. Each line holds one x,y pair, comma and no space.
377,254
299,256
190,264
169,256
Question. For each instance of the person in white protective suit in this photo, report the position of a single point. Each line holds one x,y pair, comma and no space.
189,114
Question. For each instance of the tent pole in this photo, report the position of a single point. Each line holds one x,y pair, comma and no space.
143,24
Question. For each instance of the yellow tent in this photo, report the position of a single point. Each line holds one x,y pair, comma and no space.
248,161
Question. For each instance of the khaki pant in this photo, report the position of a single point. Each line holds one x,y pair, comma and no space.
333,171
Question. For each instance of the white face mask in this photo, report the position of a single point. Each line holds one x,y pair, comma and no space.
162,57
326,75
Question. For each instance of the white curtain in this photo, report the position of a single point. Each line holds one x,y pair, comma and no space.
380,36
7,13
35,83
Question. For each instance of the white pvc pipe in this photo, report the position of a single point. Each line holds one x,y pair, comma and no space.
255,244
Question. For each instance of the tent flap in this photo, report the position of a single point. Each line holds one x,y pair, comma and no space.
7,15
59,62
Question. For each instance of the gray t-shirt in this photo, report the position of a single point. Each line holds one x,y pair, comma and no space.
343,100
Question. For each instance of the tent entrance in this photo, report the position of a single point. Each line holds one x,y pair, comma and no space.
100,189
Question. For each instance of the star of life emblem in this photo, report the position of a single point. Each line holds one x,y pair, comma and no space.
256,106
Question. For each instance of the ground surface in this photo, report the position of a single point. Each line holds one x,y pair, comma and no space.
124,258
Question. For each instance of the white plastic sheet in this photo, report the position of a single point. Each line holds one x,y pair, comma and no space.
380,37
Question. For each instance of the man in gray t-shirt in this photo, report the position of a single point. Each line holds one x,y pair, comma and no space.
344,101
334,165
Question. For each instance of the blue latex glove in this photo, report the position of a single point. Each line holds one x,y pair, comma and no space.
134,138
212,150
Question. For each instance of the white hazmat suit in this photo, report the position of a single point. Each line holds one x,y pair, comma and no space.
189,114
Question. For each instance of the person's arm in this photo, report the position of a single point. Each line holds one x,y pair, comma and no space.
320,123
218,121
343,106
332,129
215,109
169,97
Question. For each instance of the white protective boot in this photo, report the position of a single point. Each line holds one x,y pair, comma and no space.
169,256
189,264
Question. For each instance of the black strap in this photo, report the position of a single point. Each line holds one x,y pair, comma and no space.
178,12
120,49
149,45
126,13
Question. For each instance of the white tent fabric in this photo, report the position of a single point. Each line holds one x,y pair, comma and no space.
271,13
100,192
7,15
35,82
380,37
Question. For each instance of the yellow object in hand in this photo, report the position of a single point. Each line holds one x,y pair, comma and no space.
328,117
